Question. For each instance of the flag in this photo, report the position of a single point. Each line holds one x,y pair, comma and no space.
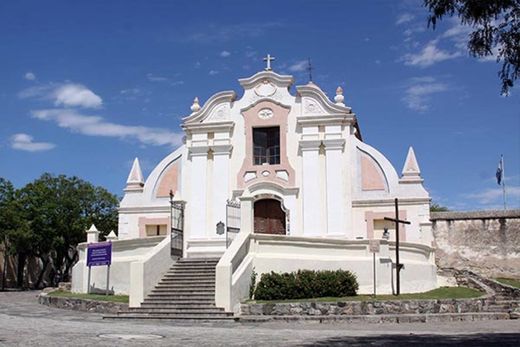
500,172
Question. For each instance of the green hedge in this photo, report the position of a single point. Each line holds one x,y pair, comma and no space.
306,284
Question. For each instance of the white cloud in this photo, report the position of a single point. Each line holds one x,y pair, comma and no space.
66,94
24,142
225,54
223,33
154,78
419,91
213,72
130,91
404,18
429,55
299,66
76,95
29,76
97,126
494,195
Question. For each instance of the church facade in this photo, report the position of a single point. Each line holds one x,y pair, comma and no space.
279,179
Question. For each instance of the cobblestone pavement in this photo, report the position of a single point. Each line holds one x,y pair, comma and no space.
23,322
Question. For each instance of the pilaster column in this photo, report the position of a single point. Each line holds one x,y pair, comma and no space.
246,214
220,183
335,186
311,187
199,162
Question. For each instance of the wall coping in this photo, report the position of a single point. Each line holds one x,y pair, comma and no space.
128,244
490,214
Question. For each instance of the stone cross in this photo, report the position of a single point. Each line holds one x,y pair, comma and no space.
268,59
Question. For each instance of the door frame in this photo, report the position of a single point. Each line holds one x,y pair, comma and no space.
282,206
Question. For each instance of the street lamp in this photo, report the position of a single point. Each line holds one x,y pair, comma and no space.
386,234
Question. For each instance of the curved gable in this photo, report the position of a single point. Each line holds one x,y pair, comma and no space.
169,180
372,176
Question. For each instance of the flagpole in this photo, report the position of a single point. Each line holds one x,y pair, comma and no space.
503,181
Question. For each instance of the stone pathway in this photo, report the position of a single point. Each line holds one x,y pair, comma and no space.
23,322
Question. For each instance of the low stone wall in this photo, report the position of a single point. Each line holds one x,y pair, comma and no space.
486,242
366,307
81,304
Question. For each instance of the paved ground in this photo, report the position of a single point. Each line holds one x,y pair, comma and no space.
23,322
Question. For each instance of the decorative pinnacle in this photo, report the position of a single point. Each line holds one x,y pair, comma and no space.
195,106
339,98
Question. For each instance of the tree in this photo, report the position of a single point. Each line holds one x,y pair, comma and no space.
496,24
434,207
59,210
6,198
47,219
14,229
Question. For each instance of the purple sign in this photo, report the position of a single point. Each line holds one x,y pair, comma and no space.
99,254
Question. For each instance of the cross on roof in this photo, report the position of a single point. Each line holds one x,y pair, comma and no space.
309,69
268,59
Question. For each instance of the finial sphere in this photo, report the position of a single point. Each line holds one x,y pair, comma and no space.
195,106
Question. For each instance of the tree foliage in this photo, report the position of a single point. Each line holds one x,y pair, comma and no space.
49,218
495,23
434,207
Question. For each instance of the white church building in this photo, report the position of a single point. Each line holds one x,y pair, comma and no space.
273,178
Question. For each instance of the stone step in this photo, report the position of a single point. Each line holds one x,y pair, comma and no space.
190,273
170,296
173,317
194,310
193,286
194,260
184,290
187,282
191,304
193,268
159,302
195,263
173,314
190,276
190,269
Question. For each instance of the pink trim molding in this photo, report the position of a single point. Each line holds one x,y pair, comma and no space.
144,221
283,173
371,216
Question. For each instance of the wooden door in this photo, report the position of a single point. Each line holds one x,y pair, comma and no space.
269,217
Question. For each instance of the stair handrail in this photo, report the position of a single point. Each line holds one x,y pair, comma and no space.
227,265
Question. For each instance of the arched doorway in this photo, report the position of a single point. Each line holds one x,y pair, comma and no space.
269,217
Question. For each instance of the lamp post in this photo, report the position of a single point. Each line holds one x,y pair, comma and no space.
171,221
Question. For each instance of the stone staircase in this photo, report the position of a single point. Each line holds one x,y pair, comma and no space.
187,291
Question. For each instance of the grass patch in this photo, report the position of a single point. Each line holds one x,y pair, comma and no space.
97,297
439,293
509,281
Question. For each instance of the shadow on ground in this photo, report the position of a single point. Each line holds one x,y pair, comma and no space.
422,340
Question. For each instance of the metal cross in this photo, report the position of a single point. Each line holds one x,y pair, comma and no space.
398,266
309,69
268,59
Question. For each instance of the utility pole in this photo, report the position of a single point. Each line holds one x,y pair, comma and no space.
398,265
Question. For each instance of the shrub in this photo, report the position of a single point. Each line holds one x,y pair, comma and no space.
306,284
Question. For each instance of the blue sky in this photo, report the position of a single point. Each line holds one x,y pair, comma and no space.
87,86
